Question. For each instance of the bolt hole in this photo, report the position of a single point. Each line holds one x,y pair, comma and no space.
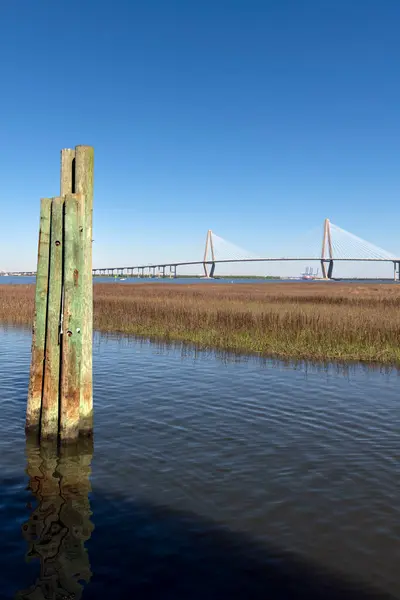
69,333
58,243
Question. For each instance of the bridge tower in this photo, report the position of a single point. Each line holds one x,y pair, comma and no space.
396,269
327,251
209,248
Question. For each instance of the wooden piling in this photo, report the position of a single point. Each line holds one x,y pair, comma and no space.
60,401
72,334
33,411
67,179
84,168
50,402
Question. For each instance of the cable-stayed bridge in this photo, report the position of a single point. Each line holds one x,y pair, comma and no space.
336,245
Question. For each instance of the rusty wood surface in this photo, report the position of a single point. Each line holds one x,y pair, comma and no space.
39,324
72,338
50,400
84,168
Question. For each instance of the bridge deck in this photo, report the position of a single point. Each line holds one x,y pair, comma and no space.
244,260
164,265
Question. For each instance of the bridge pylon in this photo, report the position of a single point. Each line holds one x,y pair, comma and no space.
327,251
209,249
396,270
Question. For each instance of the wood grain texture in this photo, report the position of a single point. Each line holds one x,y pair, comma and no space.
72,338
33,411
84,170
50,400
67,179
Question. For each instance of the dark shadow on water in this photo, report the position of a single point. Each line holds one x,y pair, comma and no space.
143,550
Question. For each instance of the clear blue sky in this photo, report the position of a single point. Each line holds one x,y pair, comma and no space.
255,118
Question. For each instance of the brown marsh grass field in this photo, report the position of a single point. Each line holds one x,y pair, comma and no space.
306,320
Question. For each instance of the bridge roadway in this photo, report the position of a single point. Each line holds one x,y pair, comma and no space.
173,265
237,260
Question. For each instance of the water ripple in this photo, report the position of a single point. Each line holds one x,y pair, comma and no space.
307,460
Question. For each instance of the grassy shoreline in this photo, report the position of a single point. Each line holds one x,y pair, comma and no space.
313,321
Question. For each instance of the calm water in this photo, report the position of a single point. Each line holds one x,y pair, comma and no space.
209,479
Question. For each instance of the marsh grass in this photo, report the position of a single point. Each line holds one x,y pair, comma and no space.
318,321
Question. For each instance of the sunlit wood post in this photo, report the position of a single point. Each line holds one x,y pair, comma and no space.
67,175
34,406
51,382
84,171
71,362
60,400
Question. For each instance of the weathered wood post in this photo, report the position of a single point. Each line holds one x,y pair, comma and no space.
60,401
51,367
72,340
34,407
84,168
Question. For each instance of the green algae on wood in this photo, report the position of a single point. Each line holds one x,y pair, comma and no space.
72,338
50,401
67,177
84,172
39,323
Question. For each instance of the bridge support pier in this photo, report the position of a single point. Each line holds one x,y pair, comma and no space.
212,270
323,270
330,269
396,270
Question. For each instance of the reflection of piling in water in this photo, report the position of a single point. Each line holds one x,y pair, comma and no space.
60,524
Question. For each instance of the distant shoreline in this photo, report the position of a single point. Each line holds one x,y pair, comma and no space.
225,278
